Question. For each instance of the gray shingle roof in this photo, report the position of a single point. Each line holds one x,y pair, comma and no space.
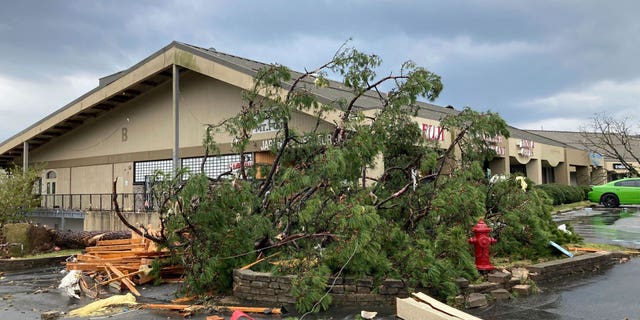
334,91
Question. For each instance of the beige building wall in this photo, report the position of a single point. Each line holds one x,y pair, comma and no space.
552,154
88,159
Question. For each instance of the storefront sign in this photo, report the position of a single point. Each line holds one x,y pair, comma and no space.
619,166
499,150
267,125
432,132
495,144
596,159
267,144
526,148
236,165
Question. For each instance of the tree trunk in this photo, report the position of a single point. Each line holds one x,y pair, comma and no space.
81,239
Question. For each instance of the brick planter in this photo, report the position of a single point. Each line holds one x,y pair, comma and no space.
577,265
265,287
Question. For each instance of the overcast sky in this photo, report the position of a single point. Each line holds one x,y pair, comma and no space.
540,64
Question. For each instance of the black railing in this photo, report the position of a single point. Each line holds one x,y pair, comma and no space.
128,202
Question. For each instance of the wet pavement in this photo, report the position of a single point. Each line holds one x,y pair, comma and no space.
28,294
620,226
611,293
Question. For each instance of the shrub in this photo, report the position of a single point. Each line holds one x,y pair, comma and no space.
561,194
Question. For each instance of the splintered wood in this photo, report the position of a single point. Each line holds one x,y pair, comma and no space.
126,262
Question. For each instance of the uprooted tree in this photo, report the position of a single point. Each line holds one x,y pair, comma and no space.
613,138
320,207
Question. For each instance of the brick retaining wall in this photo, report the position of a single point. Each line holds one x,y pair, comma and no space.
561,268
265,287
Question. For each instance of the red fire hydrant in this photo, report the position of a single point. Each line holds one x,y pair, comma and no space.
481,241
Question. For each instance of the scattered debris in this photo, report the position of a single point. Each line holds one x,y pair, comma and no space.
126,262
97,306
70,284
521,274
261,310
51,315
239,315
589,249
561,249
368,314
563,228
421,306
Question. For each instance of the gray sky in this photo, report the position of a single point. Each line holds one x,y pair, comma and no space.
540,64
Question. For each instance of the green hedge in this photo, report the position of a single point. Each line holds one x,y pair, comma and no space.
562,194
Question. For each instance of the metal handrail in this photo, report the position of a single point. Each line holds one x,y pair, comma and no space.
128,202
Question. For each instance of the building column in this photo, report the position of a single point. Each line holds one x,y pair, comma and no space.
499,166
25,157
598,176
534,171
582,175
176,119
561,172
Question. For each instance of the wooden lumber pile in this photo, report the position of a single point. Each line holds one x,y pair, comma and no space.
126,262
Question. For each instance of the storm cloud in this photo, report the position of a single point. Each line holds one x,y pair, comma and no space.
543,64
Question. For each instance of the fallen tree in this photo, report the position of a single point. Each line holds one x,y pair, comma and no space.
80,239
320,207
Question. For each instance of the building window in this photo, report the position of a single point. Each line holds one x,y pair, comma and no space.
142,169
548,175
213,167
49,182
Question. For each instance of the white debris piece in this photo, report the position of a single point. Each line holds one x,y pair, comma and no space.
563,228
368,314
70,283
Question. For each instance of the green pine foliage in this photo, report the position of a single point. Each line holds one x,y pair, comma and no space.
321,210
521,220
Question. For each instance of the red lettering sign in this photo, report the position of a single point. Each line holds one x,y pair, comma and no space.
432,132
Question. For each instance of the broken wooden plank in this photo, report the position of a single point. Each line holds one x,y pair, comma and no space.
410,309
443,307
172,306
263,310
258,261
114,242
115,247
126,281
121,277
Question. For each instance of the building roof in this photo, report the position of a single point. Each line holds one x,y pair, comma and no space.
124,86
577,140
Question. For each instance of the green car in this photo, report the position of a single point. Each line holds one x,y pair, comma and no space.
615,193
